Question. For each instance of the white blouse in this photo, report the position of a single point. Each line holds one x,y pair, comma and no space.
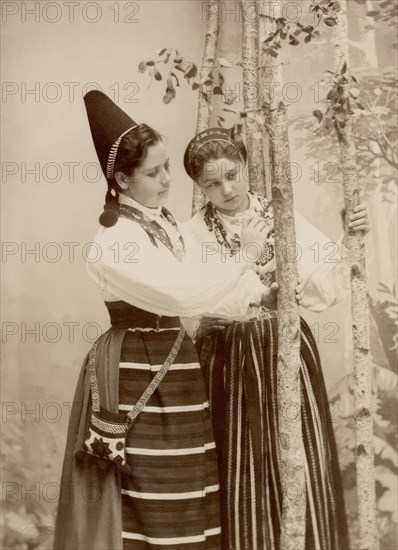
322,264
127,266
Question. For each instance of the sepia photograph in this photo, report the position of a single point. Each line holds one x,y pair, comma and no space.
199,275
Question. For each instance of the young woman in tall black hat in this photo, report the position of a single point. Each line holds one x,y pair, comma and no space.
140,469
240,362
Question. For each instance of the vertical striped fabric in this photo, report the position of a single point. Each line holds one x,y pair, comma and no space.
171,499
240,368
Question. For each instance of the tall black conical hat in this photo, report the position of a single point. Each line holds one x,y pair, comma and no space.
108,124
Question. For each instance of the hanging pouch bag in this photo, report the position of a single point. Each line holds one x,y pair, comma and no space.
106,436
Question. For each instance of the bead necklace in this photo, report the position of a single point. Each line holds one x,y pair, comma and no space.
233,244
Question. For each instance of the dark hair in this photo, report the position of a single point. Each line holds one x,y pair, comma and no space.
133,148
214,150
131,152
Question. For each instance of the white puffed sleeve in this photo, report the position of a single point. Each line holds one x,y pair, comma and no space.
323,266
240,304
126,265
236,304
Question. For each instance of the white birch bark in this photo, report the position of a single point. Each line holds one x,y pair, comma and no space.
353,191
208,61
289,397
251,96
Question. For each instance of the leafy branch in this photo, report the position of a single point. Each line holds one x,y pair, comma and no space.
176,62
374,132
212,83
324,10
343,92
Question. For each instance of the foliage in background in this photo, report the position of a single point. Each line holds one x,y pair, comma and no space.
28,499
27,525
374,129
213,83
386,12
324,11
384,327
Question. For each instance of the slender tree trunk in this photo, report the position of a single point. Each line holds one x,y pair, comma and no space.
208,61
360,320
271,74
290,432
251,96
289,397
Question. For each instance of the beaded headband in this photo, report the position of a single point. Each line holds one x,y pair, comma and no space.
113,153
220,140
205,137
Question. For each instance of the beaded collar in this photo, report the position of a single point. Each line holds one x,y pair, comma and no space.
233,244
154,230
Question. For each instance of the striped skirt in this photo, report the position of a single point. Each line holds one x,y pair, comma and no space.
171,498
240,368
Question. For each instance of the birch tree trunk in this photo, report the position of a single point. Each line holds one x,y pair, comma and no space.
208,61
289,397
251,96
368,539
270,74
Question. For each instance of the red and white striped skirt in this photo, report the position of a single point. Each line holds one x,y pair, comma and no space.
240,368
171,498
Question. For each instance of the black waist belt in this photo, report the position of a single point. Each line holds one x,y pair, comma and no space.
124,315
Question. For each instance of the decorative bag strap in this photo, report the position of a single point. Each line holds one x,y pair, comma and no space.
152,386
95,399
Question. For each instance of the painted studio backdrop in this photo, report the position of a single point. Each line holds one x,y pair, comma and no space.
53,191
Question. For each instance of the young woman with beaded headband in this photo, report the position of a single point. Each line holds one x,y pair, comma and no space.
239,361
140,468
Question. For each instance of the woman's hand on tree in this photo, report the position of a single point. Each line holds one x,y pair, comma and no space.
299,290
359,220
270,300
